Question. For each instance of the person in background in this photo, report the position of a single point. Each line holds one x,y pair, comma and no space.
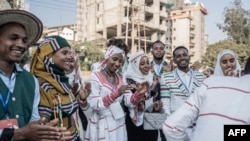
178,85
77,86
227,64
159,66
27,64
49,63
19,90
138,72
217,102
108,91
120,44
247,67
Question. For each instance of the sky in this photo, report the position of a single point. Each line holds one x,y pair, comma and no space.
60,12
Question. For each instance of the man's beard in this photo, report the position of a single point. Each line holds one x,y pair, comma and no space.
158,58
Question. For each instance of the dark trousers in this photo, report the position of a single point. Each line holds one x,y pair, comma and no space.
163,138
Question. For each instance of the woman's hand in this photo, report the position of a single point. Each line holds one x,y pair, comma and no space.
123,89
84,92
234,73
157,105
143,88
75,88
169,67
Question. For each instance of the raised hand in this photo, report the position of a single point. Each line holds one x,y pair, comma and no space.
157,105
84,92
234,73
124,88
169,67
75,88
143,88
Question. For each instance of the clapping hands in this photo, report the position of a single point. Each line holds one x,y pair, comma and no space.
143,88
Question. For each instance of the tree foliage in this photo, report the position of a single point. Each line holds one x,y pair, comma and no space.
236,23
237,27
88,54
210,57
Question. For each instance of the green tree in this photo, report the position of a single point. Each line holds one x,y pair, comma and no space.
236,23
88,54
210,57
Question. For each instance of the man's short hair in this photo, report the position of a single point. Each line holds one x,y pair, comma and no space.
157,41
179,47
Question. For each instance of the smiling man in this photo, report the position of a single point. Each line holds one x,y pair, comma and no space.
178,85
19,90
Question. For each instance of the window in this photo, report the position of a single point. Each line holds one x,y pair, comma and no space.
97,20
98,7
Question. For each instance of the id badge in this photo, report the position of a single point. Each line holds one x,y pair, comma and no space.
9,123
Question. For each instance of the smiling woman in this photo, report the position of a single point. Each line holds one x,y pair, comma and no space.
49,63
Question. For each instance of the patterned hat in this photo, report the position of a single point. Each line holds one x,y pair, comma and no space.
57,42
33,26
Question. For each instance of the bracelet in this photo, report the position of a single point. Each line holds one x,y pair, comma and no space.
7,134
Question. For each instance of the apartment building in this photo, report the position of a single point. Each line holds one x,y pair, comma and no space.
188,29
138,22
141,22
66,31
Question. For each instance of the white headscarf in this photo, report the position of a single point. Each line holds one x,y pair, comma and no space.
110,52
218,70
133,71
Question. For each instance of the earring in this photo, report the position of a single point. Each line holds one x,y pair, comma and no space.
51,61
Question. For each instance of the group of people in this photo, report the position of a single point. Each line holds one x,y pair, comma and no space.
48,101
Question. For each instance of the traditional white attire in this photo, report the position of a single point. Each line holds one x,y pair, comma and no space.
106,103
135,74
218,70
219,101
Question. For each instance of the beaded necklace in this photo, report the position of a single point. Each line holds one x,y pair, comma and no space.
111,81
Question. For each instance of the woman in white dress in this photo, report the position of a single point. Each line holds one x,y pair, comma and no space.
108,92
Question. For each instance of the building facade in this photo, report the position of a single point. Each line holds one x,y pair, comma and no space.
141,22
188,29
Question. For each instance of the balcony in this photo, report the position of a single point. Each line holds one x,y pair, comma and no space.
191,35
163,27
149,9
192,53
192,27
191,44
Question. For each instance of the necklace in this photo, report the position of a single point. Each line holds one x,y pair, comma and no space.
111,81
111,78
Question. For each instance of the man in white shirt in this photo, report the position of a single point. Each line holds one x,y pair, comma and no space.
178,85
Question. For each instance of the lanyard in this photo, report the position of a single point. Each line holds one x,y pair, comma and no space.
190,80
5,103
158,68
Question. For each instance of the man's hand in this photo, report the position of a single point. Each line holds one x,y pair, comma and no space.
42,131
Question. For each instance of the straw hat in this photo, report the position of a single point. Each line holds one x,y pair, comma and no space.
33,26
